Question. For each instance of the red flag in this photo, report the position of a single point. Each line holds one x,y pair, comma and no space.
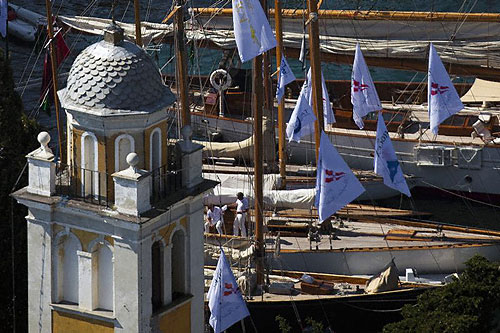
62,50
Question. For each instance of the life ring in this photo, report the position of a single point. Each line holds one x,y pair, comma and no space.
220,79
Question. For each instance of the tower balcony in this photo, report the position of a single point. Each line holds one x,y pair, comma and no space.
96,187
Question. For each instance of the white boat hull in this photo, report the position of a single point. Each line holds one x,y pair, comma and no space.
431,260
450,166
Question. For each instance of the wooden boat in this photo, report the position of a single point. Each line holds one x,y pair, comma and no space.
361,244
340,309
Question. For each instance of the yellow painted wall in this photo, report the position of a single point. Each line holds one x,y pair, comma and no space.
68,323
177,320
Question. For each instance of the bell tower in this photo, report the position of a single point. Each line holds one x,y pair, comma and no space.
115,234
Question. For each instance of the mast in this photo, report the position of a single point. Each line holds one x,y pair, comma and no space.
281,106
269,154
53,63
180,55
257,103
137,15
312,9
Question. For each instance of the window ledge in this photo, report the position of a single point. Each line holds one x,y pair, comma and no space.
74,309
173,305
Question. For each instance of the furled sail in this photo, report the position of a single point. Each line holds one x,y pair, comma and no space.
471,40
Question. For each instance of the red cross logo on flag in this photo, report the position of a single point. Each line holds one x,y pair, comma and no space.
229,287
333,176
358,87
437,89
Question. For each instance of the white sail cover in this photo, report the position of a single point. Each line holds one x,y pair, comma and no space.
252,31
474,42
443,99
336,185
364,97
386,163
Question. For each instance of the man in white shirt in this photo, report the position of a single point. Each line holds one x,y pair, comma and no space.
241,211
215,217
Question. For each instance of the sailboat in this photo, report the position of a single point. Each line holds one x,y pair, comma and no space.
451,161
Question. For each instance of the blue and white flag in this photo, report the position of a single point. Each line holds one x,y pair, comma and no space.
328,116
386,163
285,76
226,304
336,185
302,119
364,97
442,97
3,17
252,31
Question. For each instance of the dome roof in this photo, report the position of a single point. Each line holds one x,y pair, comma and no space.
109,79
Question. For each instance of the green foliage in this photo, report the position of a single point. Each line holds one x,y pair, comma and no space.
469,304
17,138
316,326
283,324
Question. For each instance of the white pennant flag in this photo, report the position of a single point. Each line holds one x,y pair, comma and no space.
3,17
386,163
328,116
302,119
226,304
336,185
442,97
252,31
364,97
285,76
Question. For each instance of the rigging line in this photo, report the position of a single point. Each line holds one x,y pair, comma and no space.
41,50
36,109
459,195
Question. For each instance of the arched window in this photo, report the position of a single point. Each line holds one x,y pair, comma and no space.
105,277
89,174
124,145
178,261
67,246
157,279
155,149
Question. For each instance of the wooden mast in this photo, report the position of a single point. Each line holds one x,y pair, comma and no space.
257,103
281,105
180,55
137,15
53,63
312,9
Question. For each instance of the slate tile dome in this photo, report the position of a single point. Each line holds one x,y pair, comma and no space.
114,78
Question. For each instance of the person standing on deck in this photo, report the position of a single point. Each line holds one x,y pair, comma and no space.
215,217
241,205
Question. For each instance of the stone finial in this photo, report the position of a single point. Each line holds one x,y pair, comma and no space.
44,150
132,188
186,144
42,174
113,34
186,133
132,160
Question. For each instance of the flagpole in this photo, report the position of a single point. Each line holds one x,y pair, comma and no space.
312,10
53,62
281,104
